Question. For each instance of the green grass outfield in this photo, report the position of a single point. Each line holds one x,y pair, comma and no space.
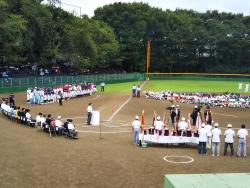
193,85
164,85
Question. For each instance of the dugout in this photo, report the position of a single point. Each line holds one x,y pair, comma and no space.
224,180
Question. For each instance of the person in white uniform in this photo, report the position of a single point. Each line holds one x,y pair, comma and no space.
208,127
216,137
202,149
158,124
229,139
247,87
240,86
136,126
182,125
242,136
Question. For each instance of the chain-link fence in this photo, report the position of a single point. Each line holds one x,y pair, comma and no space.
47,81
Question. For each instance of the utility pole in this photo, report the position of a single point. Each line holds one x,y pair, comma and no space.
148,58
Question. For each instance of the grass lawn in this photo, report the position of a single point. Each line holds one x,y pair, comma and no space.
193,85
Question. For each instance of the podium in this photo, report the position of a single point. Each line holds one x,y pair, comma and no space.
95,119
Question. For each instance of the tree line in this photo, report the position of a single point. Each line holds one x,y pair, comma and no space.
116,38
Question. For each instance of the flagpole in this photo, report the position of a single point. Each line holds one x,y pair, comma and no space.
148,58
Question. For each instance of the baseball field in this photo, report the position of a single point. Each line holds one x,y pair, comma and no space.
30,158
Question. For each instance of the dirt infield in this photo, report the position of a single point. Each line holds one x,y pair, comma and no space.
29,158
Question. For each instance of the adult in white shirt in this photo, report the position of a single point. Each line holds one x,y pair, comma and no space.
28,115
89,113
208,127
242,136
182,125
216,134
136,126
134,90
138,91
59,124
38,119
202,149
240,86
72,129
247,87
102,86
229,139
158,124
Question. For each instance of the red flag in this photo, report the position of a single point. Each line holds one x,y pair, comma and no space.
142,121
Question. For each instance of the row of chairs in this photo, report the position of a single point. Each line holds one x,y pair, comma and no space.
51,130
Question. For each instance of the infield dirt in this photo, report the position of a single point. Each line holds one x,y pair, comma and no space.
29,158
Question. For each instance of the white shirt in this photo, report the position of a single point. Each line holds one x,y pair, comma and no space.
216,133
102,84
202,135
71,126
28,116
208,128
58,123
38,118
89,109
133,87
229,135
183,125
158,125
136,124
42,120
242,133
240,86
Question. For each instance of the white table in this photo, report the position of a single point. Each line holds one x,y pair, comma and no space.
168,139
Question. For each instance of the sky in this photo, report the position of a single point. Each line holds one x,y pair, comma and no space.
235,6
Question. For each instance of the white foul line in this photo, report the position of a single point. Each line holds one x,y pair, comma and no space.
119,109
226,115
126,102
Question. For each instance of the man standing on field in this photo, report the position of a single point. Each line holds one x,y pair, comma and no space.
229,139
242,145
89,113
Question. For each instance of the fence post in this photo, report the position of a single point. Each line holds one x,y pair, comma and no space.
35,81
2,83
11,82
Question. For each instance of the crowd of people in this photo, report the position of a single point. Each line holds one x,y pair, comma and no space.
47,123
60,93
212,99
199,124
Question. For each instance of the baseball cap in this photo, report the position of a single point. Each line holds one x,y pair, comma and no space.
229,125
136,117
158,118
216,124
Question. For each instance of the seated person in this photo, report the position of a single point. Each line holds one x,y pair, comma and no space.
28,115
158,124
59,124
72,129
182,125
39,118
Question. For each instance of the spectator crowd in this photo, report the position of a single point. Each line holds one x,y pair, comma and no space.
235,100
